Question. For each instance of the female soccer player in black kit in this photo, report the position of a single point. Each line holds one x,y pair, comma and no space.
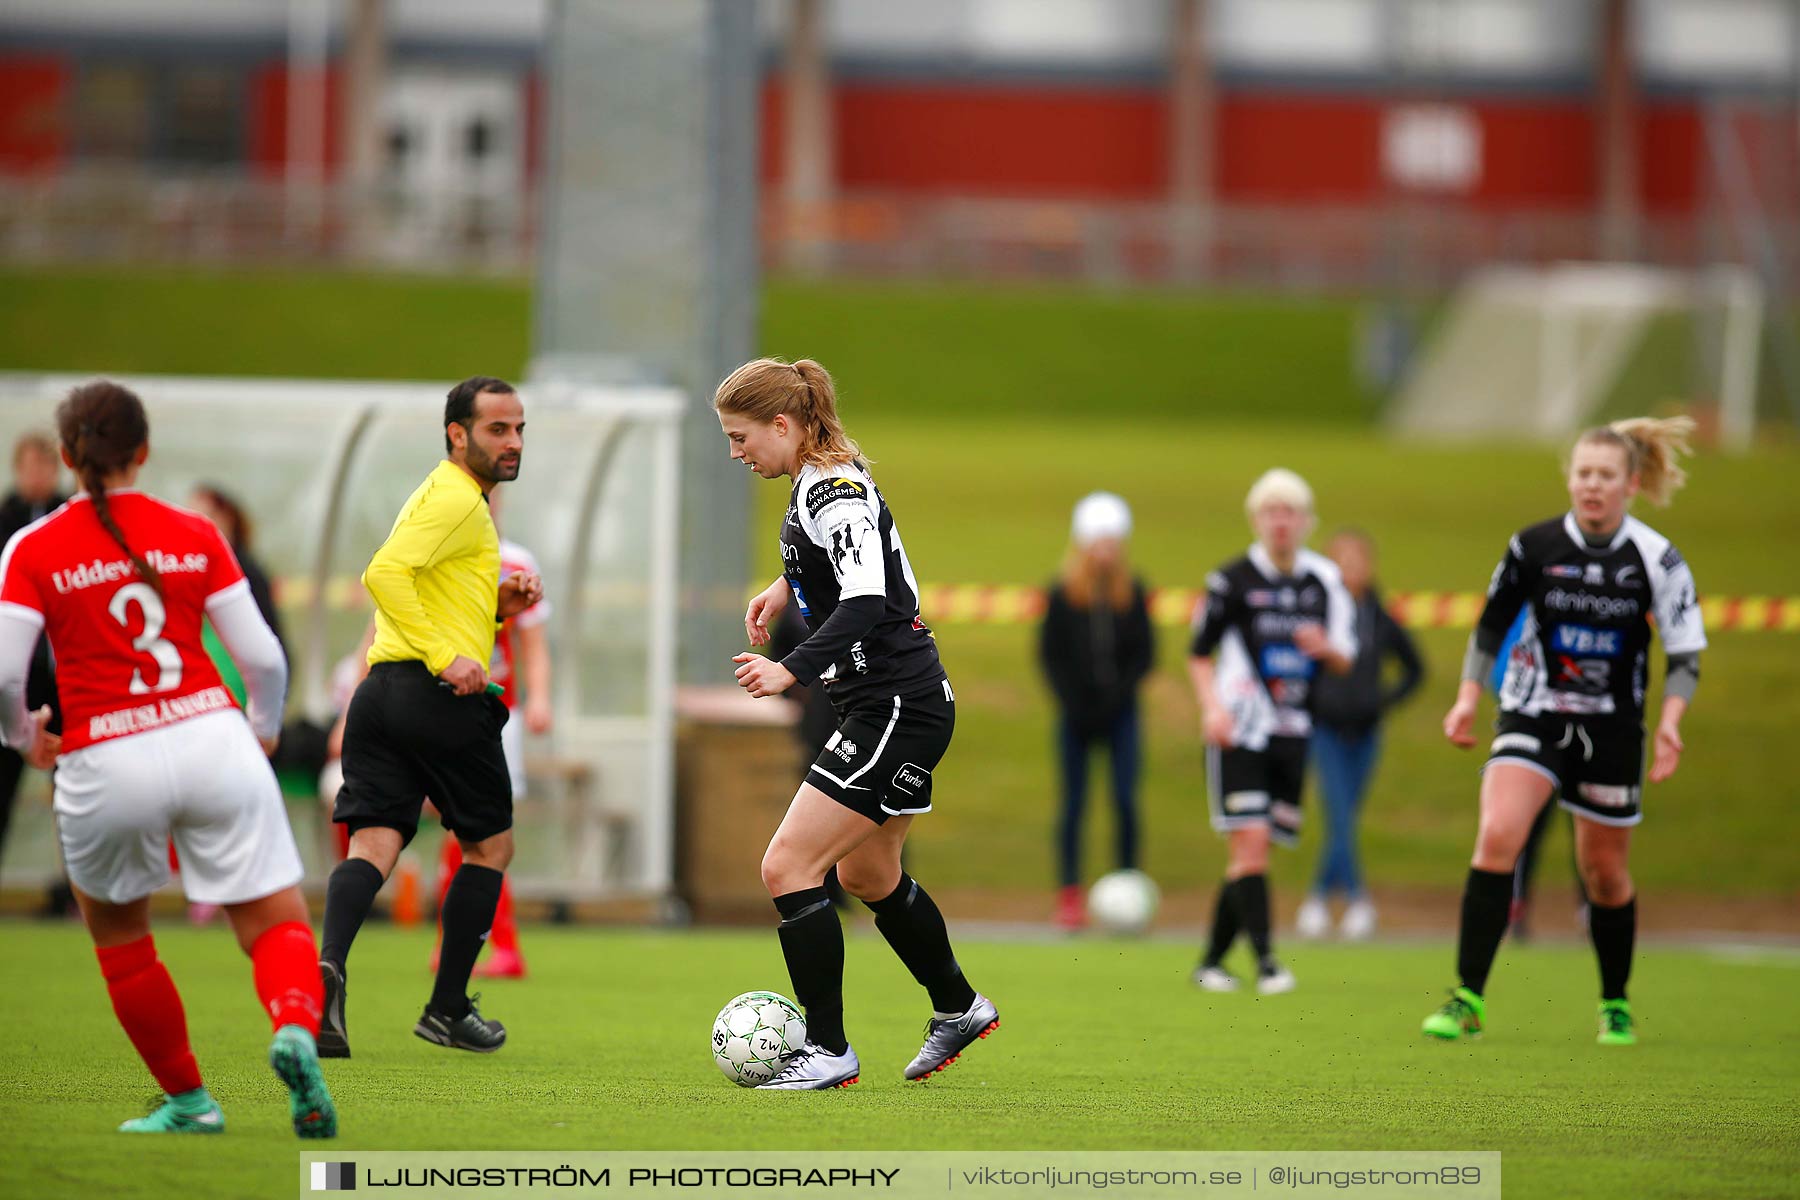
1572,703
1271,618
844,566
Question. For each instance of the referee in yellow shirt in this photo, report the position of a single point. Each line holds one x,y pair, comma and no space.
424,723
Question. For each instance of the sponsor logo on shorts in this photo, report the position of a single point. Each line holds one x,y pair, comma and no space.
911,779
153,716
1245,802
1608,795
1522,742
1285,814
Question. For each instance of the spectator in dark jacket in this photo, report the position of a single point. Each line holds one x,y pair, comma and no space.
37,470
1096,647
1347,715
223,510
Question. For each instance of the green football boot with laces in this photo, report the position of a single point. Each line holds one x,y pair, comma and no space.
1615,1024
190,1112
1460,1017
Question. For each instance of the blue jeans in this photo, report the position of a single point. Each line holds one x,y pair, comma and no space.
1345,761
1121,738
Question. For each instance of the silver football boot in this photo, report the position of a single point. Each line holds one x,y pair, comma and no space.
815,1069
947,1037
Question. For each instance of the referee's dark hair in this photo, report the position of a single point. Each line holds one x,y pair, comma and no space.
459,406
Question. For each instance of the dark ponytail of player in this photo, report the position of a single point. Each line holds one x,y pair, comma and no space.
102,426
767,387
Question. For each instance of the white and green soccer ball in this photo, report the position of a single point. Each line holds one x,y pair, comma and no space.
754,1035
1123,902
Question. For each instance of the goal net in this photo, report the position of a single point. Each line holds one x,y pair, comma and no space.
322,468
1539,352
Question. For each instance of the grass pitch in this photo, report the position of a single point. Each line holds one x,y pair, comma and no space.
1103,1045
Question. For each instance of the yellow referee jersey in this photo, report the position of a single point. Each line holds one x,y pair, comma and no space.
436,580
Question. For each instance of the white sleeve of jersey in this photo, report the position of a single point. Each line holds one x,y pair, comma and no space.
1340,610
839,513
18,638
257,654
1677,606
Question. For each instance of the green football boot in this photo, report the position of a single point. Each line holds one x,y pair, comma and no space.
1615,1024
1460,1017
190,1112
296,1060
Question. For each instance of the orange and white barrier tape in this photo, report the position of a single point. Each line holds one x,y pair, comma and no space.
1013,604
1002,604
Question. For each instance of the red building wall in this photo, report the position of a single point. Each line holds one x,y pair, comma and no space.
33,104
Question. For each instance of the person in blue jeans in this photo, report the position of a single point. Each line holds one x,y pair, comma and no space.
1095,647
1346,741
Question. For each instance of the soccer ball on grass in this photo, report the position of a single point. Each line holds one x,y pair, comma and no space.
754,1035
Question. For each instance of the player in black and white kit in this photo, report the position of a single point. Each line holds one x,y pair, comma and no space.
1269,621
1572,703
844,566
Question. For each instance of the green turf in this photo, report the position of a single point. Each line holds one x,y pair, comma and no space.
1103,1045
948,350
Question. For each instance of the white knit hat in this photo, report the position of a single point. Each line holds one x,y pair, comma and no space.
1100,515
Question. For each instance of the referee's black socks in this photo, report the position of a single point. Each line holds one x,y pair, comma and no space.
910,921
468,915
1486,906
812,941
349,895
1614,931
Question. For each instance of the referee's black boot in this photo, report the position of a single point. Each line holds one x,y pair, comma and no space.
468,1032
334,1038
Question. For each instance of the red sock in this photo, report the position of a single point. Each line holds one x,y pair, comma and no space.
148,1006
505,933
286,962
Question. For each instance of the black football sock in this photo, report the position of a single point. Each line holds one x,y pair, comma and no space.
812,941
1486,905
1225,924
468,916
1614,932
1253,910
349,895
910,921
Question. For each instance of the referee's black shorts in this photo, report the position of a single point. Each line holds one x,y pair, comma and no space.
407,738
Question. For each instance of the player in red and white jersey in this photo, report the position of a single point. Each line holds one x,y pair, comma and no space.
521,648
154,748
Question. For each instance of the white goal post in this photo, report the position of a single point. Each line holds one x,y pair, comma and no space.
322,467
1538,351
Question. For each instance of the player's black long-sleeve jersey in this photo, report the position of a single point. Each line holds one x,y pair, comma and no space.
838,545
1584,647
1249,616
